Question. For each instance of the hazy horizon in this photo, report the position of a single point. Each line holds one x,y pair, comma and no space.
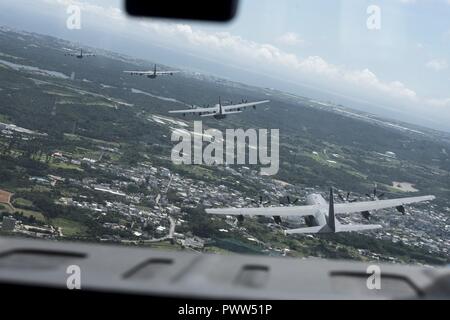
358,68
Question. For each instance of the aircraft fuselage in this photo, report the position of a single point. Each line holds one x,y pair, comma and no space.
320,217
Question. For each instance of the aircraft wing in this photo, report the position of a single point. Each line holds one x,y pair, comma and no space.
88,55
357,227
162,73
341,208
238,107
212,110
139,73
297,211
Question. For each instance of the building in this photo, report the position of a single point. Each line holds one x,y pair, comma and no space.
194,242
8,224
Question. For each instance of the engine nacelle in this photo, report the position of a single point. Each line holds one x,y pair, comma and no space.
366,215
277,219
401,209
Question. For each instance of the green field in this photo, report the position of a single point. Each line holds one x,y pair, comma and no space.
69,228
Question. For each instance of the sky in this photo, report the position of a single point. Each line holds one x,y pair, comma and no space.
398,65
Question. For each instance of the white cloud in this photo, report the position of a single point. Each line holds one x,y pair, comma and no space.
290,39
224,46
441,103
437,64
423,1
254,53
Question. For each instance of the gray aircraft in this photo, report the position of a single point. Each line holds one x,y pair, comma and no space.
79,55
152,74
219,111
319,215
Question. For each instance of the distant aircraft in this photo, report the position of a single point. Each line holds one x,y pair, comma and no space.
220,111
152,74
320,215
80,55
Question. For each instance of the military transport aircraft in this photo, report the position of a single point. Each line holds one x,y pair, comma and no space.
152,74
79,55
320,215
220,111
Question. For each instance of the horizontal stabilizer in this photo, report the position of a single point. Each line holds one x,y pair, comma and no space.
357,227
304,230
339,228
294,211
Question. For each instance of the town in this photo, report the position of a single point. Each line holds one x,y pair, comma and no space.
148,204
86,156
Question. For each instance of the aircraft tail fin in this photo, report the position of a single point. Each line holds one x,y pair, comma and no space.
331,222
337,227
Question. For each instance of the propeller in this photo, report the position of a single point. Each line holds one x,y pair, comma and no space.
277,220
289,200
375,195
261,202
346,198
